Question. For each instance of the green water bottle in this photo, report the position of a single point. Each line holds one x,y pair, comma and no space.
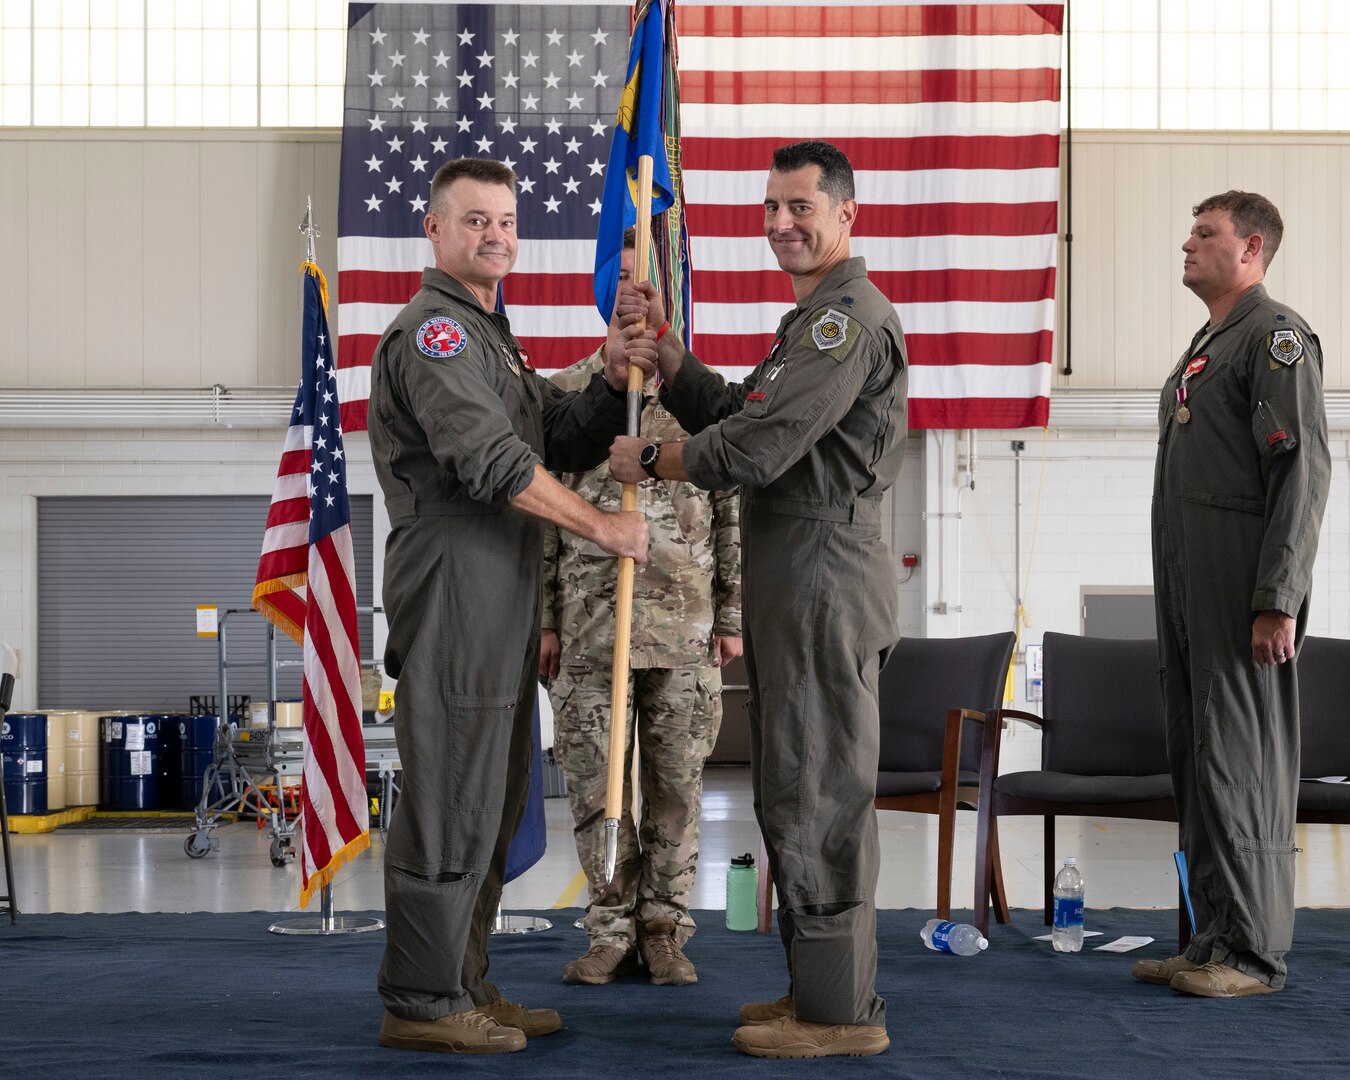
742,893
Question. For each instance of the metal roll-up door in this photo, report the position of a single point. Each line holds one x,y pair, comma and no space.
119,581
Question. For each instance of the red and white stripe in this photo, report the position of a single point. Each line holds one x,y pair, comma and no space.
335,806
285,547
950,114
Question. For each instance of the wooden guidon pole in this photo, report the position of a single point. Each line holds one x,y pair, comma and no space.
623,594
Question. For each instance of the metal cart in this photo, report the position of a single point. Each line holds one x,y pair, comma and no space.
248,761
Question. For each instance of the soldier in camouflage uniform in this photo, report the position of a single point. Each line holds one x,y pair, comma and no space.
686,623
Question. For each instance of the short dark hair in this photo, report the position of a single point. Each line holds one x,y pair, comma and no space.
630,237
836,173
1251,214
483,169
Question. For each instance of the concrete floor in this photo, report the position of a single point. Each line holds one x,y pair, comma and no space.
1125,863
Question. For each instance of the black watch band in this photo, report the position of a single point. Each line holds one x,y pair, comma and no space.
648,457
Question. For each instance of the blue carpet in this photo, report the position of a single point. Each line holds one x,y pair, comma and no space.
126,997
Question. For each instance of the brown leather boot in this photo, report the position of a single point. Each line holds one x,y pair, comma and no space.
666,964
455,1033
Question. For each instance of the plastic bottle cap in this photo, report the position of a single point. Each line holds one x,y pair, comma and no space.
1070,860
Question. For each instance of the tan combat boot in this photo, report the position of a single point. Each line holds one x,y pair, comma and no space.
455,1033
666,964
761,1012
601,964
530,1022
1160,972
1219,981
788,1037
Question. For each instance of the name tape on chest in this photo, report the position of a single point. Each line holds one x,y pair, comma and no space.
1286,347
440,337
834,333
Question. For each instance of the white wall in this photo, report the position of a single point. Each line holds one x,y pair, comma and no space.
1086,497
1132,198
132,258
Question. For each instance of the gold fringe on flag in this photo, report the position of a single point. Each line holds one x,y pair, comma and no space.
340,859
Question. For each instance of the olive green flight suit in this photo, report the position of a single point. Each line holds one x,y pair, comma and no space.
1239,492
455,435
815,436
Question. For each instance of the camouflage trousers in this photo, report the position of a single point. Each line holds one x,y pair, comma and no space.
679,711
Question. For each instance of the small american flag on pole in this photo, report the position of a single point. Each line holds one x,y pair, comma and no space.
949,112
306,585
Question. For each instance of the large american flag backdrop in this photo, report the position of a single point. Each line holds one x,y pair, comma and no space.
949,112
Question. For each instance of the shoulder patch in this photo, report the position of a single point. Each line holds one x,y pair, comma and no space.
1285,346
441,337
835,333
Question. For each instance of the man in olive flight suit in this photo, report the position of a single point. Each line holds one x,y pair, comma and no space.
461,432
1239,492
815,436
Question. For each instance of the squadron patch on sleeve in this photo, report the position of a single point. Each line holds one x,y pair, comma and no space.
441,337
834,333
1285,347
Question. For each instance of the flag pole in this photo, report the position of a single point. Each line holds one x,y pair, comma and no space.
623,595
327,924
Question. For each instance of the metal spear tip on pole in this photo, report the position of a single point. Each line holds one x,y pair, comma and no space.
308,228
611,847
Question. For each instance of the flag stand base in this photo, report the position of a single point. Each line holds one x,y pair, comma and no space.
518,924
327,923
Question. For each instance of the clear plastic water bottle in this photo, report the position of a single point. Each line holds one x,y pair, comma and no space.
941,935
1067,935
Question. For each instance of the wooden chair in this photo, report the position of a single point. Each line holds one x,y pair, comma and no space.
1103,753
1323,694
930,750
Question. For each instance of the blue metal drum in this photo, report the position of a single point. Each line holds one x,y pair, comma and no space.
197,742
23,743
129,779
170,762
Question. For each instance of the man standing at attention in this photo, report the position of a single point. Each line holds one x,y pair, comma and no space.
462,434
686,626
815,437
1238,496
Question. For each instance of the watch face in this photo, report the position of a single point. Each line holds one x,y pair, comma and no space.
649,454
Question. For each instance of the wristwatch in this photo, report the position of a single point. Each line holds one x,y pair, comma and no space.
648,457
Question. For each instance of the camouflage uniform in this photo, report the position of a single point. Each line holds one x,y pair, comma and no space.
687,592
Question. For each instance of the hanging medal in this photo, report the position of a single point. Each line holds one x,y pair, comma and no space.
1183,411
1193,368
